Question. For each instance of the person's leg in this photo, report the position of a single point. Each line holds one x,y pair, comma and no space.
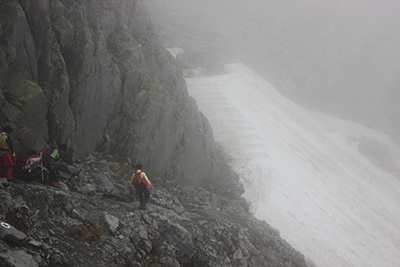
9,172
7,162
142,194
146,198
53,176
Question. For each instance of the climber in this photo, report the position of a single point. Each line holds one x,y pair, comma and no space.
142,185
50,154
29,166
7,154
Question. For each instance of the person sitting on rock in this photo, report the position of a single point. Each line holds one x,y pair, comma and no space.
7,154
30,169
142,185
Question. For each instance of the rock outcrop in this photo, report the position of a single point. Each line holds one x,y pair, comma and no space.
93,75
94,221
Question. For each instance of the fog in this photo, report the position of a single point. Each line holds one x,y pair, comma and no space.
330,186
306,173
337,57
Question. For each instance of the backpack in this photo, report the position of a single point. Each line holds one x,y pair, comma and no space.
3,141
22,163
137,179
50,154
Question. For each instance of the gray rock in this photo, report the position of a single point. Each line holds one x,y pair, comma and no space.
74,170
65,175
17,258
88,189
64,186
103,180
143,233
34,243
180,238
112,222
83,177
8,233
76,215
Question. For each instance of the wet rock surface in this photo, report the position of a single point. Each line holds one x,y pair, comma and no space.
94,220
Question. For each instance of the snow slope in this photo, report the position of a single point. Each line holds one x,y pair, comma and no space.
303,172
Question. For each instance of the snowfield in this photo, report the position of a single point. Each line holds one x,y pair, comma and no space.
304,173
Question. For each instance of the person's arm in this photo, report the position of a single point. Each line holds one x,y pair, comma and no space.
133,175
33,160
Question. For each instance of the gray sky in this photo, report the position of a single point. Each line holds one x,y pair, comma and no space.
339,57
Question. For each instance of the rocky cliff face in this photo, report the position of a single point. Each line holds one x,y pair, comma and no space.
93,75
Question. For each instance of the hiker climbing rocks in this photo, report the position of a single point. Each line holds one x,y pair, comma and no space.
49,155
142,185
7,154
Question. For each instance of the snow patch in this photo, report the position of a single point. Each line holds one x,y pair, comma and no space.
312,176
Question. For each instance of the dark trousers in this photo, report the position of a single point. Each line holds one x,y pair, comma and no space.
53,173
143,194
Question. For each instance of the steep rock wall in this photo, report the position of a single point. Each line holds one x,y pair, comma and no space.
93,75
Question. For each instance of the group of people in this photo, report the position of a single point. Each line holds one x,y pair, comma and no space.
28,167
32,165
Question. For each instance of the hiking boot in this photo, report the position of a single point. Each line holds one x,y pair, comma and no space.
57,184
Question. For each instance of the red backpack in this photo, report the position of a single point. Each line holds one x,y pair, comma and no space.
137,179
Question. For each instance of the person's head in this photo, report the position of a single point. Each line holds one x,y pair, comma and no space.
7,129
32,153
139,166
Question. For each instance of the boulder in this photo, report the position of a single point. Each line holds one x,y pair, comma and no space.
111,221
17,258
8,233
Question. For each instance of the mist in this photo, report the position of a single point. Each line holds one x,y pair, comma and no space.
317,170
336,57
306,173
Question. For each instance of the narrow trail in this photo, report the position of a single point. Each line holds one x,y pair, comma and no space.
301,174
